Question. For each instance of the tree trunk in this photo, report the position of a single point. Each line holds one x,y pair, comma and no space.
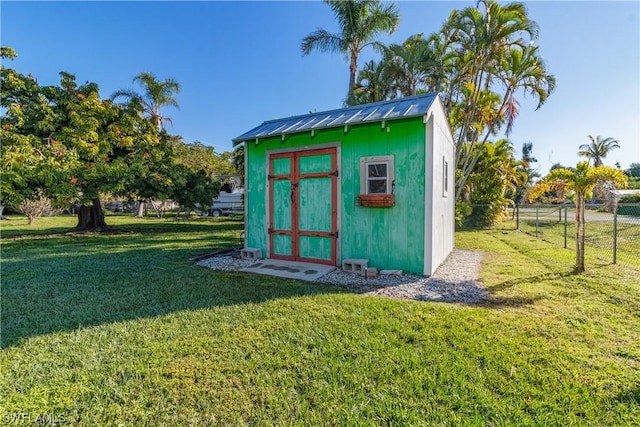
353,70
579,232
155,208
91,217
141,209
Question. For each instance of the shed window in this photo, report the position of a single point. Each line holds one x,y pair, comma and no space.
445,177
376,175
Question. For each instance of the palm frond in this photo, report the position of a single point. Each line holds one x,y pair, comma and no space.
322,41
124,93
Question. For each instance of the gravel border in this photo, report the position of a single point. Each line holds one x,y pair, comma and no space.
454,281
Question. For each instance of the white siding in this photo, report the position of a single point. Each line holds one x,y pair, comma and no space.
440,216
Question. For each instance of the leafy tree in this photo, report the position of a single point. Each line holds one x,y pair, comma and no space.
598,149
237,157
45,133
75,146
560,166
476,119
200,185
634,182
8,53
199,157
440,63
156,94
582,180
360,22
634,170
631,198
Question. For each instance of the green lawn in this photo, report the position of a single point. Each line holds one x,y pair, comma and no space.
599,232
123,329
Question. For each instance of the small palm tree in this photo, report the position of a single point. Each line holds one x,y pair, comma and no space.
582,180
360,21
598,148
374,84
157,94
527,171
408,63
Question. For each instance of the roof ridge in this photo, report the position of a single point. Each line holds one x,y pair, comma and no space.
409,106
370,104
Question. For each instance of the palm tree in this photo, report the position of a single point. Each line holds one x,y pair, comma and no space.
582,180
408,63
374,84
523,68
527,173
360,22
438,63
493,183
157,94
598,148
484,40
526,161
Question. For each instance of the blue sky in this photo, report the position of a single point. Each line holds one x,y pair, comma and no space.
239,63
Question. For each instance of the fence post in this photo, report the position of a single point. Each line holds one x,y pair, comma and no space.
517,216
615,234
537,209
565,227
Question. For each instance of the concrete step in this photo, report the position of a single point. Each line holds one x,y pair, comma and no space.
250,253
355,265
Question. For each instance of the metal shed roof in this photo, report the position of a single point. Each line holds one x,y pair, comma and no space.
411,106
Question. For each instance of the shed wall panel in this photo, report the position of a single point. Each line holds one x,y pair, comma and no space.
442,219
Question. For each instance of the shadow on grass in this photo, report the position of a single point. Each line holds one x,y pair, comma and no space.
66,283
507,302
140,225
35,233
529,280
631,397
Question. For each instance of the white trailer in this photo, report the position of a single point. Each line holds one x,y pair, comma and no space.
227,203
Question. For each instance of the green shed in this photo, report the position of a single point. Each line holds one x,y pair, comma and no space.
373,181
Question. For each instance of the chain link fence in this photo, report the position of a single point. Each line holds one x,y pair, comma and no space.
612,233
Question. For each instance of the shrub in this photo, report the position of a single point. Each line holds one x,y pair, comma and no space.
34,208
631,198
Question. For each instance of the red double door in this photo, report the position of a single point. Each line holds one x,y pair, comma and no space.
303,222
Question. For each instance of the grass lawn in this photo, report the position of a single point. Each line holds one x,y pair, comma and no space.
599,232
123,329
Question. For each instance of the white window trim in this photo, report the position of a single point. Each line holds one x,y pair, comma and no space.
445,177
365,161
